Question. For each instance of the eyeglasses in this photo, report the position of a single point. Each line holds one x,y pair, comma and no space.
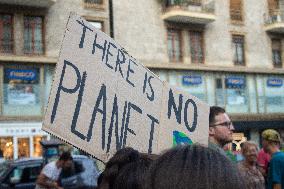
227,124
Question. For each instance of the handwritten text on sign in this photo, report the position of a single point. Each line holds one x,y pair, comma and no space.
102,99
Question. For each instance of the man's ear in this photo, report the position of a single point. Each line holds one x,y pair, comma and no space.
211,131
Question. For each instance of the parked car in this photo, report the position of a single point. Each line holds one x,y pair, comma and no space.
22,174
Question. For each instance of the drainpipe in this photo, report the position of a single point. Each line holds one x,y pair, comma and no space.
110,5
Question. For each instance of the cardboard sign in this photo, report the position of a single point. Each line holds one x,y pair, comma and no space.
103,99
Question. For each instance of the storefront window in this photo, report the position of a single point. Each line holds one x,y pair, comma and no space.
21,91
37,145
49,71
195,85
220,92
236,94
260,94
274,94
23,147
6,147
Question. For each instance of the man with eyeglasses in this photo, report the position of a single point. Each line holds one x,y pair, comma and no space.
220,129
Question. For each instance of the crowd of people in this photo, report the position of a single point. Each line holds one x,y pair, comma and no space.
191,166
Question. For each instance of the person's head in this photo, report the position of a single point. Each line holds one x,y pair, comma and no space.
65,160
126,169
220,126
270,141
249,151
132,175
195,167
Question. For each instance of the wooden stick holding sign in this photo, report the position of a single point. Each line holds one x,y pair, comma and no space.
102,99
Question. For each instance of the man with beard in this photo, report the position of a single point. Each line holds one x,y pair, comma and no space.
220,129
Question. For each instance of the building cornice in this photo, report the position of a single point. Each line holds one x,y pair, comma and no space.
213,68
28,59
257,117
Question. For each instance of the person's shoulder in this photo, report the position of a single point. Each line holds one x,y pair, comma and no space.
50,165
278,157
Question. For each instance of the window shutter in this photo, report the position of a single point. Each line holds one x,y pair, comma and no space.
272,6
236,10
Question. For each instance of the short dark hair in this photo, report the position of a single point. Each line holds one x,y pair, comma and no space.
125,170
193,166
121,158
65,156
132,175
214,111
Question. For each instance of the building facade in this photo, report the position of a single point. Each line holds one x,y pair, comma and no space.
30,38
226,52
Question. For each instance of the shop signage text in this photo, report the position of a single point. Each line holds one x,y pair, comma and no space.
27,75
235,82
274,82
192,80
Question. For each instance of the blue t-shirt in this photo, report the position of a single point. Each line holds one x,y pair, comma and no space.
276,170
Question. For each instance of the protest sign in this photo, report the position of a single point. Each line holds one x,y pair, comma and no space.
103,99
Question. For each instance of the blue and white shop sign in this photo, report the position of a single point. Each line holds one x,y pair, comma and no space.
235,82
27,75
274,82
188,80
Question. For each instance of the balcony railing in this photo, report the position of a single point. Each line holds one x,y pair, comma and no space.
274,22
191,5
6,46
189,11
30,3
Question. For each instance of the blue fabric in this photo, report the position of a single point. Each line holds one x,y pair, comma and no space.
276,170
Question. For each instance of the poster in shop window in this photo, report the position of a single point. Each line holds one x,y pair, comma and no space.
102,99
20,86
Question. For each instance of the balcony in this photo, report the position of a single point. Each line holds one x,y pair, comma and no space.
30,3
274,22
189,11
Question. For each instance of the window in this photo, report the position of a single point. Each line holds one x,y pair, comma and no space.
25,174
236,10
231,93
23,147
238,48
276,53
194,83
7,147
196,47
236,90
273,93
220,93
93,1
273,5
97,24
174,45
37,146
21,90
6,33
33,35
